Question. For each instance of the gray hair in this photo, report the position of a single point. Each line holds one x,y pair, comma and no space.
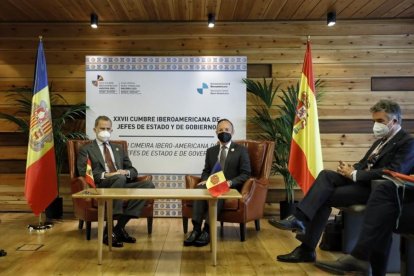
390,107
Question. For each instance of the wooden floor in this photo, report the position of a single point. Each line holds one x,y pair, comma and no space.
63,250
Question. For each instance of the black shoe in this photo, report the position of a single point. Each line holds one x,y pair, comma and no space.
191,238
299,255
345,265
123,235
289,223
115,240
203,240
2,253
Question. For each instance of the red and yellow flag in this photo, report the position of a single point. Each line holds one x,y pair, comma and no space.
305,160
41,177
216,182
89,175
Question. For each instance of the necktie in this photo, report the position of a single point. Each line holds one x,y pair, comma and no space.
223,156
108,159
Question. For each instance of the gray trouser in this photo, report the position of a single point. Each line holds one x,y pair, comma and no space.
134,207
200,210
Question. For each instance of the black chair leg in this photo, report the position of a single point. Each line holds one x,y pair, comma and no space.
185,225
242,232
221,228
149,225
257,224
88,230
80,226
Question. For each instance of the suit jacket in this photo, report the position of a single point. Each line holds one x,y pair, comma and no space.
237,165
397,155
122,161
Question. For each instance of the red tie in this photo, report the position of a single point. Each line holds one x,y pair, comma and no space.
108,159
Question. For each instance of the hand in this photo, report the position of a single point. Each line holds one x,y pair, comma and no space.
345,169
109,174
201,183
229,182
123,172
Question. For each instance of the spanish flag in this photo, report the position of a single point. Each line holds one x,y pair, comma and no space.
89,175
216,182
305,159
41,177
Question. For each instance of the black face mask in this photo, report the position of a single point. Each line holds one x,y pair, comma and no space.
224,137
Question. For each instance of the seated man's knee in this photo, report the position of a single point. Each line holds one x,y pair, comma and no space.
119,180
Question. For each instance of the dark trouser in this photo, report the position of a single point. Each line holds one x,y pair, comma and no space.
330,189
200,210
134,207
380,220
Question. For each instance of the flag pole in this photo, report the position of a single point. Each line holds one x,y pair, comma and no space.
41,227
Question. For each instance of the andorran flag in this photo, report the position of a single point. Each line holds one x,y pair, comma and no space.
216,182
305,159
89,175
41,177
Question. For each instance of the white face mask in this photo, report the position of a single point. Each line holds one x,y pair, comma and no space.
380,130
104,136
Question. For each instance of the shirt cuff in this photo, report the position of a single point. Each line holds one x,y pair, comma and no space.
103,175
353,175
128,175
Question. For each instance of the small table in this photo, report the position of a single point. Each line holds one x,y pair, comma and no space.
106,197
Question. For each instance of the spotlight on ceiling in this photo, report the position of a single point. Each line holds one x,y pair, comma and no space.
94,20
211,20
331,18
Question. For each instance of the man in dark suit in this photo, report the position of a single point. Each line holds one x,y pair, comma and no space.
235,162
112,168
350,184
389,209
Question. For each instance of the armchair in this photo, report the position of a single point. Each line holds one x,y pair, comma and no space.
86,210
254,190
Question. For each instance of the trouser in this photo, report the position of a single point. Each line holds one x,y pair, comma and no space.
330,189
380,221
200,210
134,207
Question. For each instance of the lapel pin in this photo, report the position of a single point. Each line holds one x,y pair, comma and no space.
232,149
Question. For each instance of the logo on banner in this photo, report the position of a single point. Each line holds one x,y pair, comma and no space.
98,79
201,90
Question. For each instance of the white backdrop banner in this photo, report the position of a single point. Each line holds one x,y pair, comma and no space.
167,108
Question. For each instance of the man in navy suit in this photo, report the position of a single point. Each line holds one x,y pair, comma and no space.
235,162
350,184
112,168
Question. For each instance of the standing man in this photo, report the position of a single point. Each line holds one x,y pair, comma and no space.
235,163
112,168
350,184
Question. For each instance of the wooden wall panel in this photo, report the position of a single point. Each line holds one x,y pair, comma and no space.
345,57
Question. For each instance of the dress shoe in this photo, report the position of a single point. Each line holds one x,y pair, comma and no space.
203,240
123,235
289,223
345,265
115,240
299,255
191,238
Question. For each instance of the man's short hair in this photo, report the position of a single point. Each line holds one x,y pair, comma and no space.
225,120
390,107
102,118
